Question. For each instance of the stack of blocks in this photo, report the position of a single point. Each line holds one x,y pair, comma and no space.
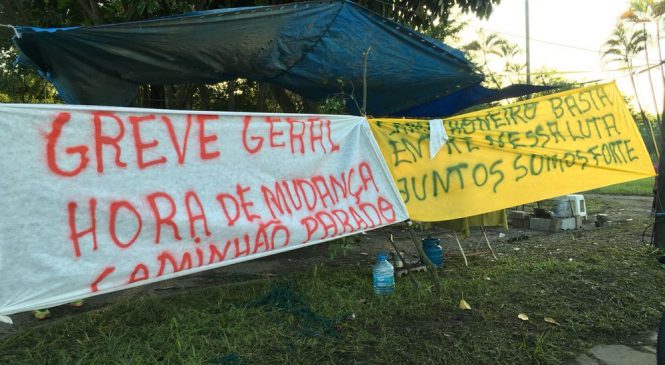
570,213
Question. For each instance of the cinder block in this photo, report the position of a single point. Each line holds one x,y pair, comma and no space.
540,224
520,223
555,224
569,223
517,214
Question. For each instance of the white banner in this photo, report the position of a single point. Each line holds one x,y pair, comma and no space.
98,199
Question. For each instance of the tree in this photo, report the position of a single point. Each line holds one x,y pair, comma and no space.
641,14
650,12
421,14
508,52
621,47
481,50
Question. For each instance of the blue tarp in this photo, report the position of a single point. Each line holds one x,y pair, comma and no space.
315,49
468,97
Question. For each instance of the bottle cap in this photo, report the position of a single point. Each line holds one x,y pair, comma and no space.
382,256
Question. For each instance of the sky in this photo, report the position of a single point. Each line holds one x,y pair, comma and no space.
567,35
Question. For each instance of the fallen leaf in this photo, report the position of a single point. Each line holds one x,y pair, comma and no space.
523,316
552,321
463,305
364,253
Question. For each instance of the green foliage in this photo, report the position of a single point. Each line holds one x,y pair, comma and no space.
447,32
623,45
421,14
642,187
21,85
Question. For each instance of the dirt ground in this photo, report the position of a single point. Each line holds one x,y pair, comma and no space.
361,249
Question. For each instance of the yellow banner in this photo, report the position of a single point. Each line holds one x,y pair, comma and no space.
523,152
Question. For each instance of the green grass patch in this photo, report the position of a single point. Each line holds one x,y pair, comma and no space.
637,187
599,290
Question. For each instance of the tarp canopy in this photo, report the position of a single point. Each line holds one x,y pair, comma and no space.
468,97
315,49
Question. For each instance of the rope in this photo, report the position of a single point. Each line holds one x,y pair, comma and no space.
16,33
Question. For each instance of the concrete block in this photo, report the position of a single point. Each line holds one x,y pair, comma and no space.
544,224
520,223
569,223
579,221
555,224
517,214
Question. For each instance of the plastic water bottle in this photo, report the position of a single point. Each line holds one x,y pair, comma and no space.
384,275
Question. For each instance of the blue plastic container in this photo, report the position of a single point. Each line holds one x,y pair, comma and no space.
384,275
433,250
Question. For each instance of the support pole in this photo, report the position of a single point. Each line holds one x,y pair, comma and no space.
528,52
461,250
659,200
430,266
408,273
364,111
482,228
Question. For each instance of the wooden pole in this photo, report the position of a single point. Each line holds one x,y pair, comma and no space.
461,249
482,228
408,273
430,266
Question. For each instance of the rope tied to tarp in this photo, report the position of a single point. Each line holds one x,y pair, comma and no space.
16,33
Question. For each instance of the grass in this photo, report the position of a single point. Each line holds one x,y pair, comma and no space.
642,187
601,286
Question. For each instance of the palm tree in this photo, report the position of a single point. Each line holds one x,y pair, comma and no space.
508,52
623,45
640,14
485,46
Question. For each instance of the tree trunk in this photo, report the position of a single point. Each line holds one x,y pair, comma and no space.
92,9
653,92
283,100
310,107
659,202
232,95
261,91
156,97
204,94
645,120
